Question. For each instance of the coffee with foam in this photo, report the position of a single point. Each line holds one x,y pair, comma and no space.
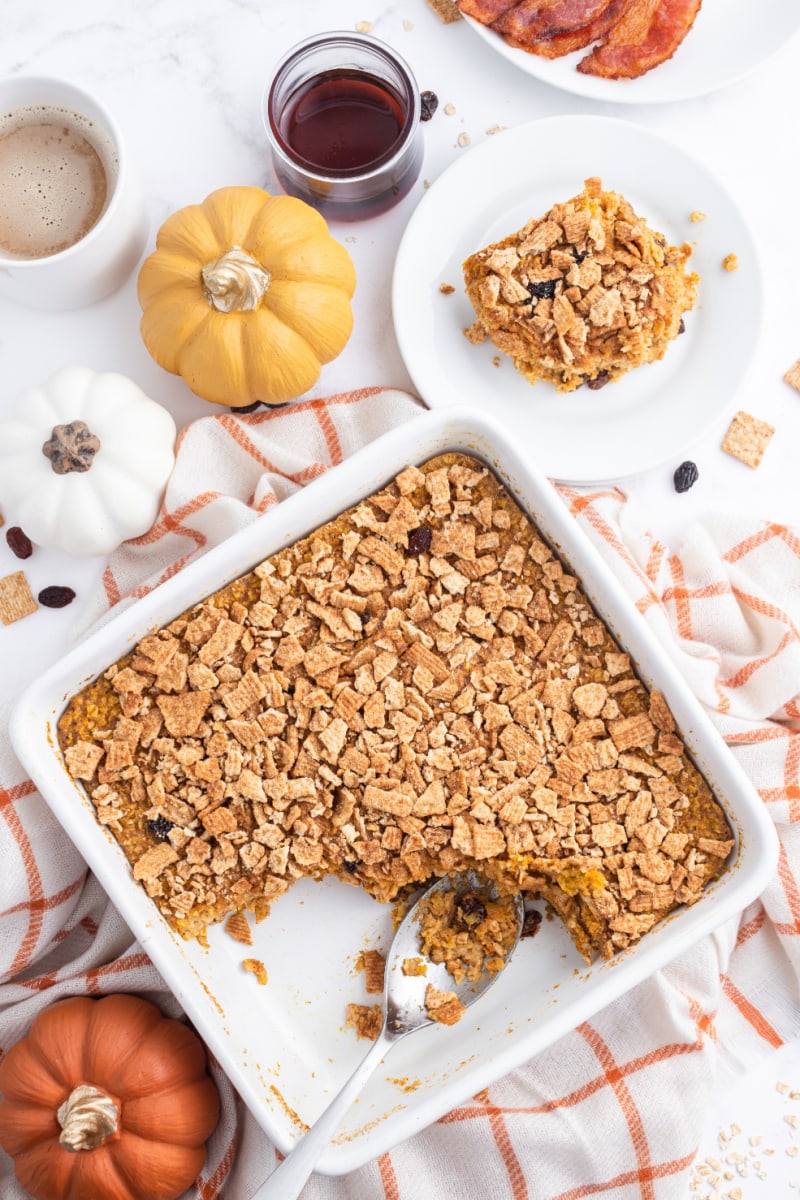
57,173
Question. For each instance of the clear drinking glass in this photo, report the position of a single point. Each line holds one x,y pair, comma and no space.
342,114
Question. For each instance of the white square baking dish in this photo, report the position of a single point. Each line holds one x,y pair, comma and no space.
284,1045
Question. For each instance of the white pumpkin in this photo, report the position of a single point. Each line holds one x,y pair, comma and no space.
84,460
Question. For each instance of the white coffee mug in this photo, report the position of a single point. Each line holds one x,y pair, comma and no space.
103,258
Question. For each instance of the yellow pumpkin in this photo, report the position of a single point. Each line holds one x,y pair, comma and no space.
246,296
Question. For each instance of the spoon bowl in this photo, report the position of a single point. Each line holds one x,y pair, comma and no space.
408,1005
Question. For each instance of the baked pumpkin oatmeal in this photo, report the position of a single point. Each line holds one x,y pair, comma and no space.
420,686
583,294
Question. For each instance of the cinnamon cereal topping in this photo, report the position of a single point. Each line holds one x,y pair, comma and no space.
388,706
583,294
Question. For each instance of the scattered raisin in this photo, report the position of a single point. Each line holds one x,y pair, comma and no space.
545,289
159,828
56,597
531,922
19,542
686,475
600,380
682,326
429,102
419,541
472,906
350,867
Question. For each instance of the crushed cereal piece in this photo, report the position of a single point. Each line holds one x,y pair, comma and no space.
449,109
154,861
363,26
792,376
367,1020
446,10
82,759
256,967
414,966
731,262
747,438
446,289
463,139
374,970
16,598
444,1007
697,216
237,926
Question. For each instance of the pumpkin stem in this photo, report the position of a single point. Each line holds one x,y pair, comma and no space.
235,282
87,1117
71,447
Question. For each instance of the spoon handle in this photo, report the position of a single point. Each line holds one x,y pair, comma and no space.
285,1182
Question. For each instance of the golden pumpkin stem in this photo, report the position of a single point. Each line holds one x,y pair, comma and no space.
87,1117
235,282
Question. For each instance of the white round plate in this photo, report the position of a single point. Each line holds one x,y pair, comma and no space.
645,418
728,39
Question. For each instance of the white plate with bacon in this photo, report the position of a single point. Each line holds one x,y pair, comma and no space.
634,51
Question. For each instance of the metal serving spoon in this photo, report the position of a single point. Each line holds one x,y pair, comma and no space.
403,1012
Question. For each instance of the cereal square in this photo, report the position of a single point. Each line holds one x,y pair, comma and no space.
16,598
792,376
446,10
747,438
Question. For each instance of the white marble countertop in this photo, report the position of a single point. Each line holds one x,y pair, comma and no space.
185,79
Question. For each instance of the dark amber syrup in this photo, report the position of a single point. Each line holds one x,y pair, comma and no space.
343,120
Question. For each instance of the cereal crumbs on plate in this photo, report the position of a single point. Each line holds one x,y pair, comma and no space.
374,964
237,926
256,967
414,966
792,377
366,1019
446,10
443,1007
747,438
696,216
446,289
731,262
16,598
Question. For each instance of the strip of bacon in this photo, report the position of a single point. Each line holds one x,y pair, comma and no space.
648,35
577,39
533,20
486,11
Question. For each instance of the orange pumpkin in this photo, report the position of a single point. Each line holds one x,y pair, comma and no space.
106,1099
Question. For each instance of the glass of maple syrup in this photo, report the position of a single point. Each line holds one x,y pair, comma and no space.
342,114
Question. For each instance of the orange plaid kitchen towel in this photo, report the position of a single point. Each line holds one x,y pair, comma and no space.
615,1108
